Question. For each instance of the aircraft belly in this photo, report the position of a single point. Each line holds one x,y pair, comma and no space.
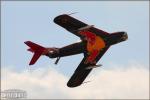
72,49
94,45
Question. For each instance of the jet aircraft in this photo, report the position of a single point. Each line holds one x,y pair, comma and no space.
94,43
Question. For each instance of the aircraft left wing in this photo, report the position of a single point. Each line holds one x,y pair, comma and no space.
74,26
81,72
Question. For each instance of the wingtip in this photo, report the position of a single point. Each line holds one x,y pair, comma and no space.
31,63
72,84
26,42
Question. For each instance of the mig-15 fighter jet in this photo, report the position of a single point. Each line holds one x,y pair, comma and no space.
94,43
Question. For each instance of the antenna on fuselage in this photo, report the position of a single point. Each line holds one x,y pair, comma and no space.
86,82
72,13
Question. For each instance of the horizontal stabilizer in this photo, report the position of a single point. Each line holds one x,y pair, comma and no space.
35,57
33,46
36,49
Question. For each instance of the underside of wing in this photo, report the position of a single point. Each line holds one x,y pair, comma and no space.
73,25
79,75
99,32
69,23
82,72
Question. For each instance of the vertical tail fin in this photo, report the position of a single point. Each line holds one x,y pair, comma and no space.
36,49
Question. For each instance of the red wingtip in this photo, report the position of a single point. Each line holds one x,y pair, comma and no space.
26,42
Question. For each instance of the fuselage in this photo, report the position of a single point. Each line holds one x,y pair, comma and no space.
81,47
116,37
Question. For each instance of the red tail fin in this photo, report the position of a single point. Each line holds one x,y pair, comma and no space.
36,49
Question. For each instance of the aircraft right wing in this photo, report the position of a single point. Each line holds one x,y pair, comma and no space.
81,72
73,25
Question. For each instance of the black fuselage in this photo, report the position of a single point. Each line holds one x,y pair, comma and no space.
80,47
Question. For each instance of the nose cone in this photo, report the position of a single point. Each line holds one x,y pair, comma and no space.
125,36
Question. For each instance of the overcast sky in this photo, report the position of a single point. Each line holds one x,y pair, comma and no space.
23,21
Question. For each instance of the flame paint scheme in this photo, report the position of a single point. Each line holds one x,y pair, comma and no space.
94,44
